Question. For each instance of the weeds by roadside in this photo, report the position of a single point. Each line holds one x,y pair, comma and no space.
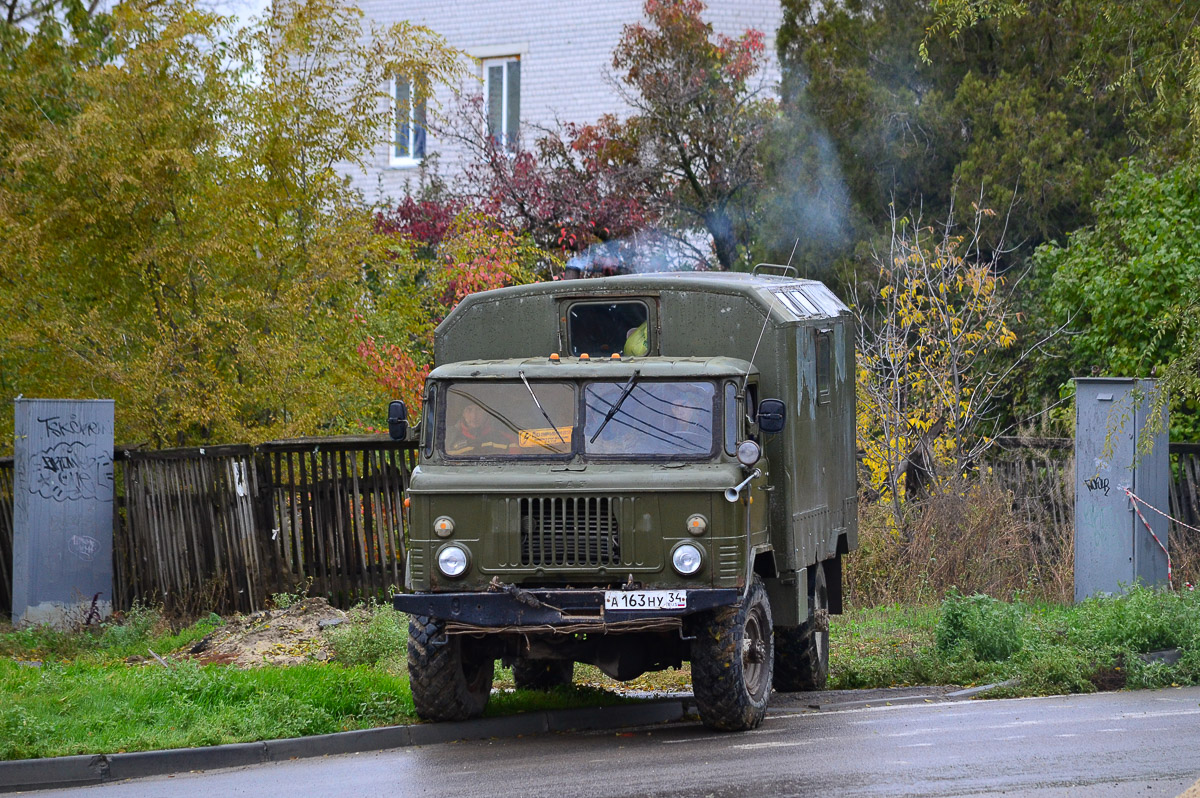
1101,644
969,537
372,634
60,708
131,633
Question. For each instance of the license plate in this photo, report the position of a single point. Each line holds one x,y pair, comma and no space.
645,599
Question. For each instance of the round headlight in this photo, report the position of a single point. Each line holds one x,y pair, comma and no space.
697,524
748,453
444,526
452,560
687,559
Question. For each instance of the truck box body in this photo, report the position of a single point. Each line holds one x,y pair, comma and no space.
706,314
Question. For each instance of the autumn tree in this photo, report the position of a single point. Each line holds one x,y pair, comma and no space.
178,233
700,118
416,289
567,187
930,328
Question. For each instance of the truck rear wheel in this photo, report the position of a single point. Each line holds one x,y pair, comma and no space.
732,661
542,674
450,677
802,652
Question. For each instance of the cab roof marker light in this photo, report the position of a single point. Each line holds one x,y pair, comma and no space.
554,358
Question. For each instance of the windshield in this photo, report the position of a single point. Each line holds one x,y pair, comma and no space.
534,419
495,419
656,418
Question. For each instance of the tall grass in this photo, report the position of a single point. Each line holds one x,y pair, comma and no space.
81,707
1099,644
968,537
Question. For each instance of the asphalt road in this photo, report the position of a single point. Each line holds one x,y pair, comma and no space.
1112,744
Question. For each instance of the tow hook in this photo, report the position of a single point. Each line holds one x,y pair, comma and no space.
523,596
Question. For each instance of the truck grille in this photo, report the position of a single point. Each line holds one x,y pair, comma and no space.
570,531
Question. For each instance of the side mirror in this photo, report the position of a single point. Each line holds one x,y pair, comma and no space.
772,414
397,420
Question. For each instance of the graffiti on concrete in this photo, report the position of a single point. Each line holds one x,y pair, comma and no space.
84,547
70,471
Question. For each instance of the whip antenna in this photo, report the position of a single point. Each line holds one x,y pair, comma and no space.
766,321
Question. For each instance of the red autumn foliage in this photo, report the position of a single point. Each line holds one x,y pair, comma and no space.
576,186
699,118
422,220
395,370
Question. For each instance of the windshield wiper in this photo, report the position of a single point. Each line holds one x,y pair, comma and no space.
612,411
539,407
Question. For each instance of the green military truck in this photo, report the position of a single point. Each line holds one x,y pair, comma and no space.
632,472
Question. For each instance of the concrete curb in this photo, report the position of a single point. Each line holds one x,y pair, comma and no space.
79,771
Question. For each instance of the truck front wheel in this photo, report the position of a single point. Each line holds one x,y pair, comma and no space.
450,676
732,659
802,652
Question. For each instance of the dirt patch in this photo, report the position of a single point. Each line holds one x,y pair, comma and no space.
271,637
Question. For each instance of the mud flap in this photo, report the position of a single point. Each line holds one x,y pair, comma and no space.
789,597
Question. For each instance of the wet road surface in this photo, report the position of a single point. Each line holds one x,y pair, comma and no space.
1143,743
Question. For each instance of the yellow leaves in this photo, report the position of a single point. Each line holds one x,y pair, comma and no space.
207,261
924,359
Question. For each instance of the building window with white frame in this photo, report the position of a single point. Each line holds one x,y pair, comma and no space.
502,98
408,123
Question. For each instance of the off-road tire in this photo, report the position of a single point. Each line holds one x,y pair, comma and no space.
732,661
451,679
802,652
542,674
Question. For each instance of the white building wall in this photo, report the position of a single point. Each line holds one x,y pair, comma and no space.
566,61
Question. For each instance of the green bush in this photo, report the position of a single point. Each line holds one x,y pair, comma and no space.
371,634
132,630
978,626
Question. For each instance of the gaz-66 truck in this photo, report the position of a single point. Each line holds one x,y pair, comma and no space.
632,472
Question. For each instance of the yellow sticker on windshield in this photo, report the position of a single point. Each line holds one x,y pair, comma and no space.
547,438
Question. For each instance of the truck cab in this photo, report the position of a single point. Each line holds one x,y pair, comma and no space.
633,495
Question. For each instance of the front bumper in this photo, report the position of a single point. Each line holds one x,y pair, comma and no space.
515,608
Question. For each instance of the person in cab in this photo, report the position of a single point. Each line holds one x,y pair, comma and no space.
476,434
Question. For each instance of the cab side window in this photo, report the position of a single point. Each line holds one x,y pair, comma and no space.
731,418
751,405
602,329
429,421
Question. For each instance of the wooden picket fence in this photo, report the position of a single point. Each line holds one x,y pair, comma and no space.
1040,473
1043,469
6,534
224,528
